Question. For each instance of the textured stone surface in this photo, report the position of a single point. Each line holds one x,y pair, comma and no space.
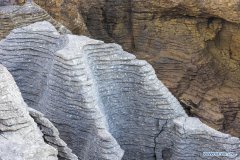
193,45
65,12
12,16
100,98
187,138
58,85
51,136
20,137
7,2
23,137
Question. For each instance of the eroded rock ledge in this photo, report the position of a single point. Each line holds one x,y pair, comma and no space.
105,103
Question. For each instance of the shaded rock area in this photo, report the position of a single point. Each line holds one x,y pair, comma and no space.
20,137
105,103
51,136
193,46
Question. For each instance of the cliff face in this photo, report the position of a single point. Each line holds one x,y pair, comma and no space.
105,103
193,46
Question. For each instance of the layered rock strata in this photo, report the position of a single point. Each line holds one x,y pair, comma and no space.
13,16
20,137
51,135
193,46
67,13
101,97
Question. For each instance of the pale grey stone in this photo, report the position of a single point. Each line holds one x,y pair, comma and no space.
103,100
20,138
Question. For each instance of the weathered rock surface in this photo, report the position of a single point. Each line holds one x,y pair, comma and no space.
13,16
21,138
193,46
100,98
65,12
51,136
59,86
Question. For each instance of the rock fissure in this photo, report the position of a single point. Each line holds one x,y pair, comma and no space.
157,136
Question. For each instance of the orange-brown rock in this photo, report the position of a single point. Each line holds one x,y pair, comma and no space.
194,46
65,12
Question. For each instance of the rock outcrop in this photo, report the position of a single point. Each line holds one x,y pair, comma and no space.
103,100
65,12
13,16
20,137
193,46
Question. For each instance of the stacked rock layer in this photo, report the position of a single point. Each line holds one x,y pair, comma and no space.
21,138
193,46
105,103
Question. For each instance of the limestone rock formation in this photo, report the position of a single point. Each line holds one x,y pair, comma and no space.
20,137
13,16
103,100
51,136
192,44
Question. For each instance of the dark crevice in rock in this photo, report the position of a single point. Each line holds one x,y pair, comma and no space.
157,136
167,154
187,108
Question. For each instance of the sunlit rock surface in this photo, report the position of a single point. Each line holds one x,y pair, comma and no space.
104,102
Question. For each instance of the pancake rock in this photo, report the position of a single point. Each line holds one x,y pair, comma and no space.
20,137
105,103
51,136
12,16
193,46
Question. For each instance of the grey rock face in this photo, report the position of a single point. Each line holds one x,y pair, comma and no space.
100,98
7,2
24,136
51,136
20,138
187,138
